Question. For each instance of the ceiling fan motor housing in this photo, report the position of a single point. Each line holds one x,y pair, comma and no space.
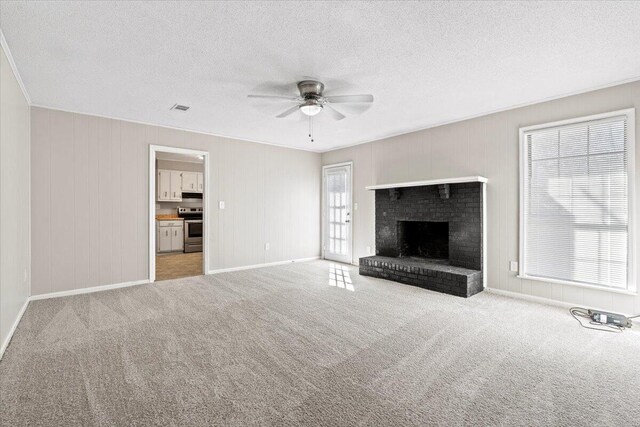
311,92
310,89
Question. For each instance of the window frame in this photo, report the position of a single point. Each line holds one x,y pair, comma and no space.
631,288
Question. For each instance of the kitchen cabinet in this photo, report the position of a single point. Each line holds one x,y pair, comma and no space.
170,236
176,186
190,182
169,186
177,239
164,239
200,182
164,185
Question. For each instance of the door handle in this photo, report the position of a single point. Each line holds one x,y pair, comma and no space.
347,220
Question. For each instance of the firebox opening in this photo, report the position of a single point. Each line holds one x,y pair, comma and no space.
424,239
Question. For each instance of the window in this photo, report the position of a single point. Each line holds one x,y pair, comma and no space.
576,187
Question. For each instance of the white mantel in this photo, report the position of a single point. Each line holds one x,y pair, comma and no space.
457,180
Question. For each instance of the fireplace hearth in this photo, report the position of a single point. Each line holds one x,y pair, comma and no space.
427,240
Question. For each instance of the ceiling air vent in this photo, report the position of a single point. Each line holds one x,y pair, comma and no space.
179,107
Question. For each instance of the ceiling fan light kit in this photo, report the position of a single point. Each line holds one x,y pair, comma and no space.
312,101
311,107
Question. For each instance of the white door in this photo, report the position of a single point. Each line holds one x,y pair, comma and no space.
336,213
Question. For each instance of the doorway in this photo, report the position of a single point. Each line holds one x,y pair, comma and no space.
178,212
336,212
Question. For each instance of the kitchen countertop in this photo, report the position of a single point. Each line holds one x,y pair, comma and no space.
168,217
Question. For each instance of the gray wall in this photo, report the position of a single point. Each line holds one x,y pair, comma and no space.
90,200
485,146
14,199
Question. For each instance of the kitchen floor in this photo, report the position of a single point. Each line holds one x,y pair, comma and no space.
174,266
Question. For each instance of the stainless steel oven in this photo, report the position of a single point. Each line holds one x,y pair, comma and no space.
192,228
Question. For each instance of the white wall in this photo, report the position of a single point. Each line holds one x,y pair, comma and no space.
14,200
485,146
90,200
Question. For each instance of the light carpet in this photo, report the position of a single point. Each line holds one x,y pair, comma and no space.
299,345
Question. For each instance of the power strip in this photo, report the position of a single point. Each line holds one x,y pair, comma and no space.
602,320
605,318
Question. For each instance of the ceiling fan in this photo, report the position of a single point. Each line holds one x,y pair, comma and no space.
311,100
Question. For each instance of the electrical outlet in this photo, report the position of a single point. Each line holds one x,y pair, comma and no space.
221,204
26,275
368,249
355,206
513,266
266,246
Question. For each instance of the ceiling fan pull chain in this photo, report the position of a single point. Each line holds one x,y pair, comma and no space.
311,125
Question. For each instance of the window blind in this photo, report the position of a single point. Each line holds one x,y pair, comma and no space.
576,202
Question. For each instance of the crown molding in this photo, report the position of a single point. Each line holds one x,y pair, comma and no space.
14,68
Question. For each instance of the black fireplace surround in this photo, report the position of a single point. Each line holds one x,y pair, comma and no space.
429,236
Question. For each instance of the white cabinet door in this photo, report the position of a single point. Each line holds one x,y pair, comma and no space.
200,182
164,185
177,239
176,186
190,182
164,239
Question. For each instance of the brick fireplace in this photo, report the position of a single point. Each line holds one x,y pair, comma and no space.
430,234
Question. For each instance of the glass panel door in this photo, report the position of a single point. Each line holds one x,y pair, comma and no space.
337,213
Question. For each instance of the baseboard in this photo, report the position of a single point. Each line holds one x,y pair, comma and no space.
124,285
531,298
6,342
87,290
144,281
268,264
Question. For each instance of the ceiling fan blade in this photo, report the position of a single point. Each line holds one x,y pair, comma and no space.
349,98
287,98
288,112
333,112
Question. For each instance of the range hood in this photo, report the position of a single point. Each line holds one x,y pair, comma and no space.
191,196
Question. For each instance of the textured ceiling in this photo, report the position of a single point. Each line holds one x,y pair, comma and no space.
425,63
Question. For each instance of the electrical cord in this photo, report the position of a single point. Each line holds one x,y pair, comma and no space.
584,313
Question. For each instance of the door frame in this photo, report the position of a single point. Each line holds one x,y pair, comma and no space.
324,211
153,150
